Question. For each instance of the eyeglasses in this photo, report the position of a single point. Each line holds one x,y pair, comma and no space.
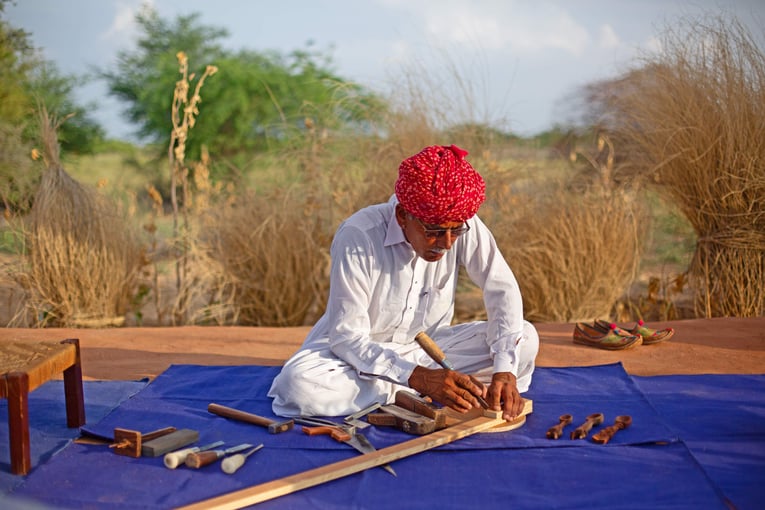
438,233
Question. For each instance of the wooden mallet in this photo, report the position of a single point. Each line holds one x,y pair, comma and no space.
274,427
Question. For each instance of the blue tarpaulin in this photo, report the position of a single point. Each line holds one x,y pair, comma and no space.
695,442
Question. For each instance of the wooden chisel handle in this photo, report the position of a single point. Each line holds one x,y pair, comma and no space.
197,460
433,350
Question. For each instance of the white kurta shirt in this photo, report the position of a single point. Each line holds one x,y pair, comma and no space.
381,291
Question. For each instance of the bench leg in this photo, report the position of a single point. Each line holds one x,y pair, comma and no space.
18,421
73,394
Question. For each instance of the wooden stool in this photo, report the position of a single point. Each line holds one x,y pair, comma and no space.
23,368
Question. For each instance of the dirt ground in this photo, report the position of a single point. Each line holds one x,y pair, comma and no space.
699,346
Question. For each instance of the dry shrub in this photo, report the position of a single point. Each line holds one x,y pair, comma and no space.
209,296
573,254
18,177
574,244
274,259
693,116
82,258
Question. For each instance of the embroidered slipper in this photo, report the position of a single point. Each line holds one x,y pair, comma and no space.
651,336
587,334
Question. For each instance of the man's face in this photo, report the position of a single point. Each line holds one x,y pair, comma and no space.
430,242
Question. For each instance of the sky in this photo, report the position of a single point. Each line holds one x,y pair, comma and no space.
521,59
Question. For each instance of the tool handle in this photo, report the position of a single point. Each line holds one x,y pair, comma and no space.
199,459
157,433
231,464
337,433
433,350
235,414
174,459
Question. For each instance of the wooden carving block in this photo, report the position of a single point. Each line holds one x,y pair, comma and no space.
169,442
382,419
409,422
419,405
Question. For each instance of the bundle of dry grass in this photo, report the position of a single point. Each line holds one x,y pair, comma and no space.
693,116
574,253
274,260
81,259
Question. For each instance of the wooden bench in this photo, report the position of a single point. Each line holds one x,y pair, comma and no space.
23,368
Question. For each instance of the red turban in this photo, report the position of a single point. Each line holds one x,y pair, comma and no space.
438,186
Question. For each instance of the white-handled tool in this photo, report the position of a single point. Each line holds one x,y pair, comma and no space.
231,464
178,457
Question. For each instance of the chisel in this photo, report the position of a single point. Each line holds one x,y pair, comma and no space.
437,355
231,464
199,459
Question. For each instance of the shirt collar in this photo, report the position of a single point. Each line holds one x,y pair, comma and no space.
394,234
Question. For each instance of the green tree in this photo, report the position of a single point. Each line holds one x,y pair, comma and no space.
79,133
256,99
17,175
16,61
28,81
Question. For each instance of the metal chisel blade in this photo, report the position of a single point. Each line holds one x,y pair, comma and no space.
362,444
210,446
237,448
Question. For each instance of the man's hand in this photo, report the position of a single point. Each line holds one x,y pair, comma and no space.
503,395
447,387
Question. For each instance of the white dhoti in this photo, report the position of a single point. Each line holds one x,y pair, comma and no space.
315,382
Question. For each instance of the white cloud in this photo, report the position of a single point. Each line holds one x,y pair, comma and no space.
123,27
521,27
608,38
653,45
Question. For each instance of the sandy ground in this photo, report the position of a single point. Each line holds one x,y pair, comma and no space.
699,346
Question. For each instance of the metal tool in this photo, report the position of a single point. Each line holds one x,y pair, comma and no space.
403,419
234,462
437,355
342,433
199,459
621,422
274,427
582,430
174,459
354,419
556,431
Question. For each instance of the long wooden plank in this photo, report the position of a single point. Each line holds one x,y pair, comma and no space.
270,490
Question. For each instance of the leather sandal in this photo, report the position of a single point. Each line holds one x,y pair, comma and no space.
649,335
588,334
